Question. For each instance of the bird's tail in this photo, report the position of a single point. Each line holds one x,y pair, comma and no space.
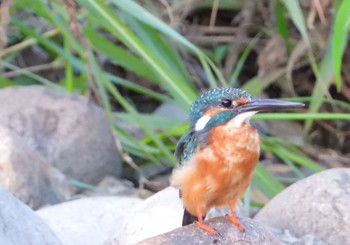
188,218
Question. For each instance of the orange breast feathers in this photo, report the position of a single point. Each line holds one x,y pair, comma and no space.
220,173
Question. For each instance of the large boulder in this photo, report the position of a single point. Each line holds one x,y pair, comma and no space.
255,233
317,205
69,131
19,225
27,174
87,220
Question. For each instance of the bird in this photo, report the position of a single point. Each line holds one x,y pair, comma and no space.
218,154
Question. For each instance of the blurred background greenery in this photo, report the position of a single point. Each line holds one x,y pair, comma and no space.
131,57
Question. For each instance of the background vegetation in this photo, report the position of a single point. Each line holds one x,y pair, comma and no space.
132,56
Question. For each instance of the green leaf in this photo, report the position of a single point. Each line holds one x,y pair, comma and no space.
324,80
268,184
340,38
162,47
138,12
50,45
31,75
4,82
282,23
120,56
134,9
297,17
184,95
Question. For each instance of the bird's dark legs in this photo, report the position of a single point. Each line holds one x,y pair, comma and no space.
200,223
233,217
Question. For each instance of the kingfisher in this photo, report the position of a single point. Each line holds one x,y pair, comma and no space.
218,154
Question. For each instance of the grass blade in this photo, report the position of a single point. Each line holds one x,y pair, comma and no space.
297,17
268,184
340,38
184,95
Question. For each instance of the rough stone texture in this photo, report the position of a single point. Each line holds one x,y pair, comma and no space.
19,225
255,233
287,238
27,174
158,214
89,220
317,205
68,130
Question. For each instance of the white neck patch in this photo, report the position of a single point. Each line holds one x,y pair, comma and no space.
236,122
244,117
200,124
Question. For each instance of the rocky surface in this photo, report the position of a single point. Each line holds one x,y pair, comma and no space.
27,175
156,215
19,225
68,130
287,238
317,205
255,233
88,220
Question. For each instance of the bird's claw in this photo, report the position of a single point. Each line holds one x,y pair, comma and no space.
233,219
207,228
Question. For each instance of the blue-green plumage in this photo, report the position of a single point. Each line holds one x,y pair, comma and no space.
186,146
213,98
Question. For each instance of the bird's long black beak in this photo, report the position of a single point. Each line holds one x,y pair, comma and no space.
269,105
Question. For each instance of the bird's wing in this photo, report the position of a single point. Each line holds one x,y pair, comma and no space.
184,150
186,146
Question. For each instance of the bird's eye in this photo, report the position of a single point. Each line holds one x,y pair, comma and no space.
226,103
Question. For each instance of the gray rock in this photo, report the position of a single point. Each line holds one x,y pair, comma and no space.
89,220
317,205
68,130
287,238
255,233
27,174
158,214
116,187
19,225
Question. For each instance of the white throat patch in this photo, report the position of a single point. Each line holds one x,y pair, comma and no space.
200,124
244,117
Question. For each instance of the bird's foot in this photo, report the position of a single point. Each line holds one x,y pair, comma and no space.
207,228
233,219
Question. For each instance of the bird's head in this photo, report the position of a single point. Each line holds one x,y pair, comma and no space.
220,105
